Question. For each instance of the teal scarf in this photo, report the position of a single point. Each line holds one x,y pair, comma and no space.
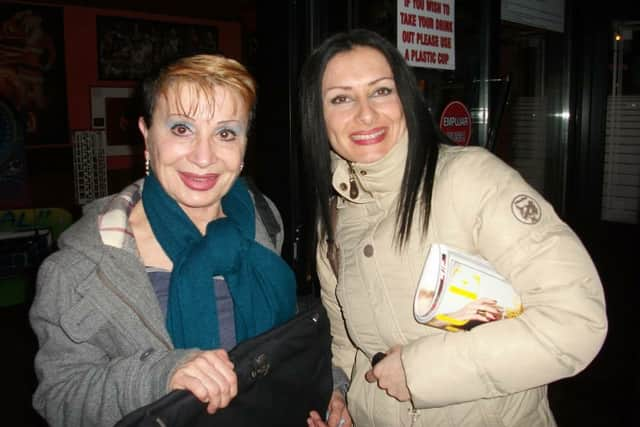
261,284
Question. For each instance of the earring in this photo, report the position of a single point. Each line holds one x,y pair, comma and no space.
241,166
146,167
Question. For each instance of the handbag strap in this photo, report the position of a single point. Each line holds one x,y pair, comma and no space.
264,210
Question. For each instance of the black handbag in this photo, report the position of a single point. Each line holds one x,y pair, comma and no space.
282,375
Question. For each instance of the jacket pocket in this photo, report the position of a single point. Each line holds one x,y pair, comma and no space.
82,321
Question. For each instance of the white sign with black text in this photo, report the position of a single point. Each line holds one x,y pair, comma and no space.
426,33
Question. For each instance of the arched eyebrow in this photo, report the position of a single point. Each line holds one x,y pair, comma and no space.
229,122
226,122
180,116
237,125
379,80
372,83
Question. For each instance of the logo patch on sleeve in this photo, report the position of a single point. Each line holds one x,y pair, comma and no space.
526,209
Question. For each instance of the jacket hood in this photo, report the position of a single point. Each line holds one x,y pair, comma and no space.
83,235
104,224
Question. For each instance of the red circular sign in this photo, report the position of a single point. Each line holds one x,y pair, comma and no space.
455,122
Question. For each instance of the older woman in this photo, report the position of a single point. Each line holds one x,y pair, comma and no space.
153,285
393,188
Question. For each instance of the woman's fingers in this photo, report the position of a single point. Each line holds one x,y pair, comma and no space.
486,310
209,376
343,420
219,359
185,381
337,413
390,376
482,309
314,420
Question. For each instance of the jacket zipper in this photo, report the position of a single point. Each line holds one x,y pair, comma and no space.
354,183
353,187
124,299
414,414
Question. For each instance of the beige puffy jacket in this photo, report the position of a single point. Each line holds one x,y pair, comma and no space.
495,374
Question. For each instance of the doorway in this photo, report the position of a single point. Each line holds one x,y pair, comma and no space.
533,134
621,178
603,182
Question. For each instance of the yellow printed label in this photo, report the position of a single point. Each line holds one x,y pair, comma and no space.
517,311
450,320
463,292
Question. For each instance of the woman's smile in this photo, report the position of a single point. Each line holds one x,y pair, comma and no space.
373,136
199,182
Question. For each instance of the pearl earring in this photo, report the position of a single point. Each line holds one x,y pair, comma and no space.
146,167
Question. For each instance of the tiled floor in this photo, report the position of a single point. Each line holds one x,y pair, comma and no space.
605,394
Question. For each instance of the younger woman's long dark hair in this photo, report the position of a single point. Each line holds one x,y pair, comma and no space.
417,182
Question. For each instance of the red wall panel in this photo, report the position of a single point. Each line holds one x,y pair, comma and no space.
82,62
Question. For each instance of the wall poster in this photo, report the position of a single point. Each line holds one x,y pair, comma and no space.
33,106
32,73
130,48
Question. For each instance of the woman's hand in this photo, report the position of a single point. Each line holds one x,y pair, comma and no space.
209,375
482,310
337,414
390,376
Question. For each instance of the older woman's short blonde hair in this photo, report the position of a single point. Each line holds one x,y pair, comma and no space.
202,74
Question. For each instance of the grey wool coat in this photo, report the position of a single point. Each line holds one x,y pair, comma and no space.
104,349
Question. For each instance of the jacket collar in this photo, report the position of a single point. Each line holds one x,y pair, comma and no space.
372,180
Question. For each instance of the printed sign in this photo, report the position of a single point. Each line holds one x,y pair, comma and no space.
455,122
426,33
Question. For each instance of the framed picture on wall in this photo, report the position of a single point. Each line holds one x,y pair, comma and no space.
32,72
113,109
129,48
